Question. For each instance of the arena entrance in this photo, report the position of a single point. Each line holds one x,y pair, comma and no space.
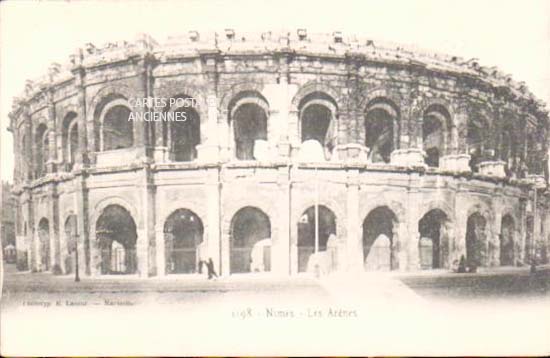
507,230
378,236
307,234
433,246
183,234
250,241
44,244
116,234
476,239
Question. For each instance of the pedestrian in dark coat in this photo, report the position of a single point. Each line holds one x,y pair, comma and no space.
210,268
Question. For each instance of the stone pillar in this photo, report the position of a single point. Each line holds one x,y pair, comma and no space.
160,148
461,213
216,123
414,198
280,242
225,249
210,151
354,239
457,158
160,250
401,232
29,158
31,230
494,237
141,140
287,92
52,146
142,254
294,134
53,219
148,192
86,139
226,136
35,250
278,122
17,152
213,233
82,215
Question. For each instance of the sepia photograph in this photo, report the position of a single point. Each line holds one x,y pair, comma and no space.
286,178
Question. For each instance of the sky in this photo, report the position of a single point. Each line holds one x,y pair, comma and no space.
512,35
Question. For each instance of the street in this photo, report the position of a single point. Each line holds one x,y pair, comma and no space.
427,311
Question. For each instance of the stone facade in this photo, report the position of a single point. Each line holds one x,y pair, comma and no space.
407,142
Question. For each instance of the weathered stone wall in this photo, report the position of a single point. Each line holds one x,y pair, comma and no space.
284,73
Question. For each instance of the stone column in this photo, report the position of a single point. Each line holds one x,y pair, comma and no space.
461,214
140,130
225,249
160,250
280,247
82,214
414,198
210,150
213,232
160,148
354,240
408,153
35,251
400,236
31,230
53,219
29,158
52,146
286,93
216,123
17,153
149,204
458,159
277,126
294,134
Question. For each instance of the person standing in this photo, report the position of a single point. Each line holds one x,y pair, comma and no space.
210,269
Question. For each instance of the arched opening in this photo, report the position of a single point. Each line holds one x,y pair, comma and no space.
117,129
44,244
382,130
250,227
42,150
477,138
307,235
70,139
183,234
434,244
117,236
71,235
248,118
507,233
435,126
317,121
379,235
185,135
476,240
